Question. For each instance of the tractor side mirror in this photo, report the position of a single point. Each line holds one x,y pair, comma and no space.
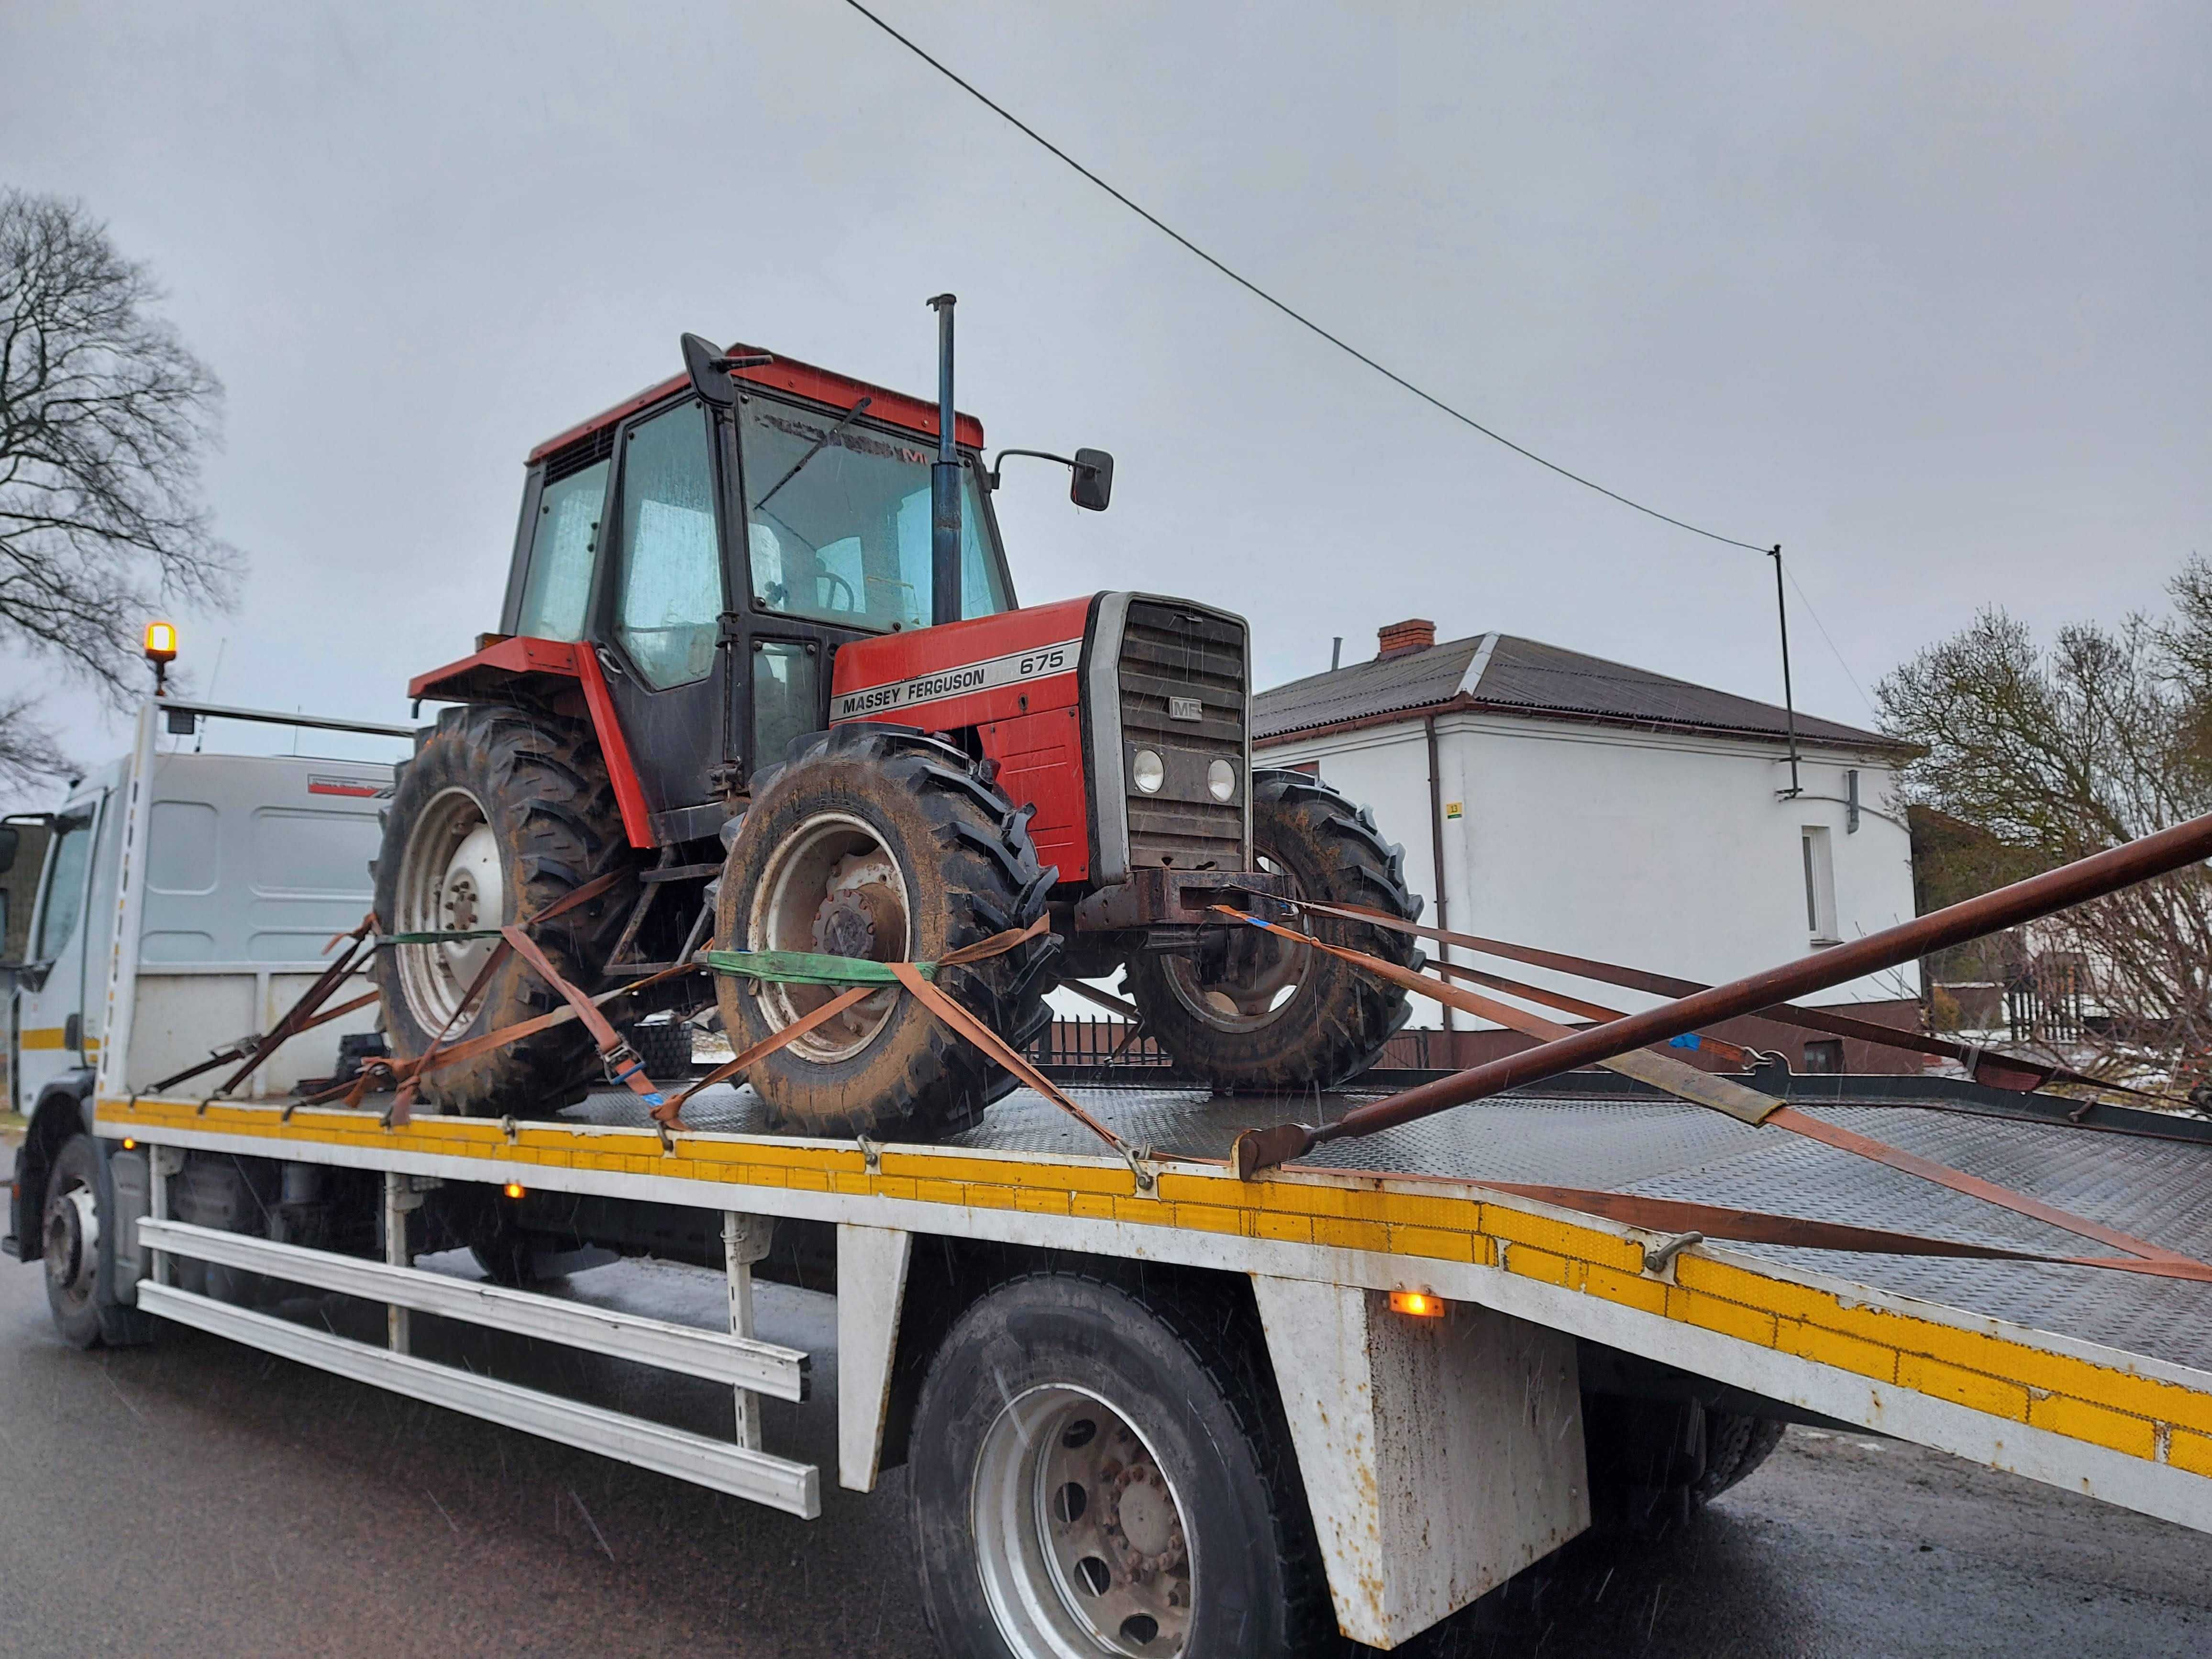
1093,484
709,366
11,838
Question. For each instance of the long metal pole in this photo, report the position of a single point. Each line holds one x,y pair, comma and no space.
2009,907
1789,698
1437,860
944,484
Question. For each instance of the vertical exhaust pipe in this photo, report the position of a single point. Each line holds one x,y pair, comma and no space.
944,484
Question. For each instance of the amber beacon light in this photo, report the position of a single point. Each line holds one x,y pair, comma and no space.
161,651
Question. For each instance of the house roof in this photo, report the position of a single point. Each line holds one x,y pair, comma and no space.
1505,673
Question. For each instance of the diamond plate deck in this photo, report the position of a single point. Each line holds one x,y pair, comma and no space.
2158,1190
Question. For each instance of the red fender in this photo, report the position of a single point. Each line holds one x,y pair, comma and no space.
496,673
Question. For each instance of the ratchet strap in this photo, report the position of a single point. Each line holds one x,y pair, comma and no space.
1995,1071
864,978
1748,1106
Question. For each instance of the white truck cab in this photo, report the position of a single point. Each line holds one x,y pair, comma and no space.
252,865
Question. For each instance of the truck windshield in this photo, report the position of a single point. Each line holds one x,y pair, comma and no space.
65,866
846,538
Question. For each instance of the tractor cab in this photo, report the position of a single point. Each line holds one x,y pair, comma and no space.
704,563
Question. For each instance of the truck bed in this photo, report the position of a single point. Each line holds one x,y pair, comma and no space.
2096,1380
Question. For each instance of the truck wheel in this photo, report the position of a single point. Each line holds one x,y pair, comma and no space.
500,813
1093,1474
1734,1446
1250,1012
877,841
664,1049
73,1240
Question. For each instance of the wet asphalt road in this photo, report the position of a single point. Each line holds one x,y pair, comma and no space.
196,1499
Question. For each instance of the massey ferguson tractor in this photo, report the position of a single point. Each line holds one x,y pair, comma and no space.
760,667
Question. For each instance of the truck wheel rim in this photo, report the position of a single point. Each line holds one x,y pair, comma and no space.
450,879
72,1243
1264,972
831,887
1079,1532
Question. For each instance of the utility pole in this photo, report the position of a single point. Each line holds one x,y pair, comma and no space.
1789,701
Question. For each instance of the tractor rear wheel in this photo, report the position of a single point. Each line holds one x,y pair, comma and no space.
1250,1012
500,813
879,842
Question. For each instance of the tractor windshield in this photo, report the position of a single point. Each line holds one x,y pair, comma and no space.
845,539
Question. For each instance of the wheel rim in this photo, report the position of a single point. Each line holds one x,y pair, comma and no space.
450,879
1079,1533
1259,973
833,887
72,1243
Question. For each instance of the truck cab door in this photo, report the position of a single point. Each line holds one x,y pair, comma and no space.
51,991
660,638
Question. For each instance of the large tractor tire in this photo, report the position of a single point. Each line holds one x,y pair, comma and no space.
877,842
1251,1013
501,813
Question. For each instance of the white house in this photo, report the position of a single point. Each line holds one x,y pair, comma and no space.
1589,807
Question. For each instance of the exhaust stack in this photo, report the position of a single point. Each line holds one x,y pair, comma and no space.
945,482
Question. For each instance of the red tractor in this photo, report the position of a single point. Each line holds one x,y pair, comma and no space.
760,659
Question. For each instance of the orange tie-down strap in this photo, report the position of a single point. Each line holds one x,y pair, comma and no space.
1703,1089
911,975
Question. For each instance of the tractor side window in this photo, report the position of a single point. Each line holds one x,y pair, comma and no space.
559,585
64,905
668,616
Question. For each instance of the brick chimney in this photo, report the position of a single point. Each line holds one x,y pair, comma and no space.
1398,638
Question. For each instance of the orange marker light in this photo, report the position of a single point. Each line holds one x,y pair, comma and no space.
515,1189
1419,1303
160,642
129,1144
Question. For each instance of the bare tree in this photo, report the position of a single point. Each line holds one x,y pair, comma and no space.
104,416
2035,758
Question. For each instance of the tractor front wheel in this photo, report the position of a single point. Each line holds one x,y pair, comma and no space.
879,842
1252,1012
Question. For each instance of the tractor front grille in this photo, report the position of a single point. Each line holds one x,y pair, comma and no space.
1177,661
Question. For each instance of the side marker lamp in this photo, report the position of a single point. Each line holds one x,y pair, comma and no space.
1419,1303
513,1190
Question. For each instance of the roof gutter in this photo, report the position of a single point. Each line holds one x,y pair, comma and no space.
1890,751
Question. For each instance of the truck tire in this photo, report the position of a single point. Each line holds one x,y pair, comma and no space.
78,1251
877,842
1734,1446
664,1049
1252,1013
501,812
1095,1472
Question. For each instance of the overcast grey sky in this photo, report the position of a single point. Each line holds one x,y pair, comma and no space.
1919,291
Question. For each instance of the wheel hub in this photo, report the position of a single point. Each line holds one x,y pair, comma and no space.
1244,978
451,881
1081,1538
72,1242
831,886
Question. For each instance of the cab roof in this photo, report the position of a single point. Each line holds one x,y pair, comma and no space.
822,385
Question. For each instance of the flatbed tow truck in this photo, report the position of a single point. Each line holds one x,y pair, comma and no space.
1148,1407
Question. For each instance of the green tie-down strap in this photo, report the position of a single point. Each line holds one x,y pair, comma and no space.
804,967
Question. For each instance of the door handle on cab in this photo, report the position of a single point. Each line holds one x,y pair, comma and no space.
607,661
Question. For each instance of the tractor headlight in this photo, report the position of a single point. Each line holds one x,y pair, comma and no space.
1221,781
1147,771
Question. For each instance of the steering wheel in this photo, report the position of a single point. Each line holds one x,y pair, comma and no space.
851,600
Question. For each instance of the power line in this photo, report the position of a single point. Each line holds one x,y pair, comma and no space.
1833,650
1296,316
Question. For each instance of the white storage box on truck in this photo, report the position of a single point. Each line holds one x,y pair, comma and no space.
1147,1407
